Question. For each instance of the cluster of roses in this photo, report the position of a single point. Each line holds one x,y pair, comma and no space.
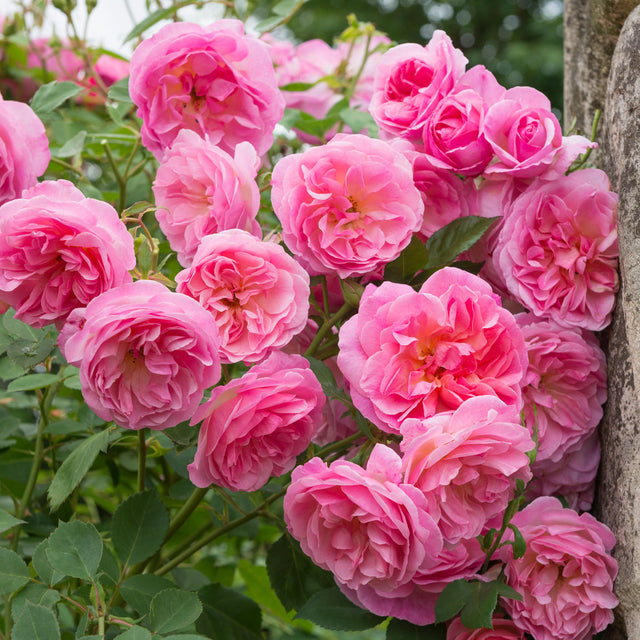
442,372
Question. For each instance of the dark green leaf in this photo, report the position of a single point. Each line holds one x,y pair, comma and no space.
331,609
478,611
119,91
139,590
13,571
27,354
403,630
453,597
519,543
7,521
9,369
35,593
293,575
139,526
185,636
228,614
75,467
324,374
18,329
506,591
42,565
33,381
412,259
135,633
75,549
173,609
71,147
51,95
256,580
36,623
155,17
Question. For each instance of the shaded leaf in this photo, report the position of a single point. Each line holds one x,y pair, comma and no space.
138,591
75,549
33,381
259,589
135,633
412,259
13,571
173,609
403,630
26,353
478,611
228,614
51,95
71,147
119,91
42,565
453,597
36,594
36,623
7,521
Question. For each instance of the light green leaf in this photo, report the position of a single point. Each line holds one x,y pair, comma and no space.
75,549
75,467
36,623
71,147
259,589
33,381
119,91
173,609
13,571
7,521
51,95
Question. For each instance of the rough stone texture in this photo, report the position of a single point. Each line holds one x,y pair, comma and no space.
618,498
591,29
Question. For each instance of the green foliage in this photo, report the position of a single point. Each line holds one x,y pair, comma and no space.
75,549
228,614
173,609
403,630
36,622
13,571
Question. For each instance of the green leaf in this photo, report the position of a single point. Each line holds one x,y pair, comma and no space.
412,259
26,353
185,636
13,571
139,526
403,630
478,611
75,549
155,17
7,521
293,575
228,614
51,95
519,543
18,329
268,23
138,591
71,147
358,120
36,623
135,633
259,589
325,376
297,86
506,591
331,609
285,8
453,597
33,381
42,565
119,91
173,609
36,594
9,369
75,467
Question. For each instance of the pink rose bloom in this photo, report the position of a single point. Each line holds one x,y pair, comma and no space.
466,463
257,293
347,207
58,251
24,149
503,629
200,189
558,249
452,135
410,81
215,80
370,530
146,354
527,138
565,384
256,425
411,354
111,69
566,575
573,476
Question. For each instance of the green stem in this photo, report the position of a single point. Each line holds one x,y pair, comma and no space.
340,314
187,509
142,459
122,185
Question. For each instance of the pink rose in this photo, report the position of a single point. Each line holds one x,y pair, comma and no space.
24,149
526,137
566,575
466,463
347,207
214,80
146,354
58,251
364,525
200,189
558,249
410,81
411,354
503,629
257,294
565,385
256,425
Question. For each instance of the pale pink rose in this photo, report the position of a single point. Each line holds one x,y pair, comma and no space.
558,249
565,385
527,138
411,354
254,427
200,189
566,575
111,69
453,134
347,207
256,292
503,629
146,354
573,476
24,149
410,81
466,463
364,525
215,80
58,251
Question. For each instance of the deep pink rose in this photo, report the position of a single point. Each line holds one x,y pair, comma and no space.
347,207
146,354
24,149
527,138
566,575
410,81
565,385
411,354
558,249
466,463
256,292
215,80
503,629
364,525
200,189
254,427
58,251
